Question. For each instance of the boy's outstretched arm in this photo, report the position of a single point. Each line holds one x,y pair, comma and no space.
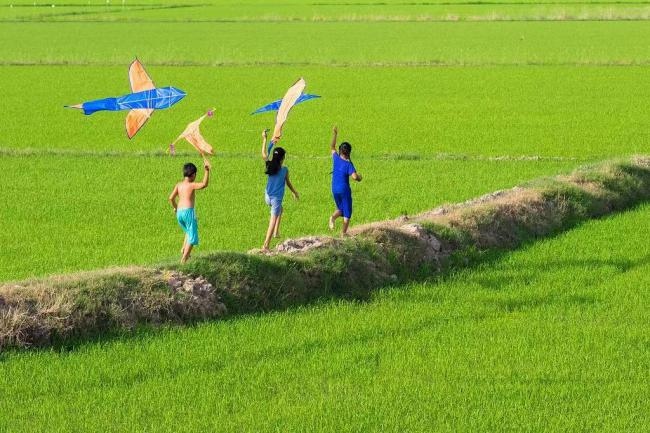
335,133
206,178
265,153
172,197
293,190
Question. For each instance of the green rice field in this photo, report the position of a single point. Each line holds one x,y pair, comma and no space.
442,102
551,338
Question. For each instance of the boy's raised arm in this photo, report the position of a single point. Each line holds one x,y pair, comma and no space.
172,197
335,133
206,177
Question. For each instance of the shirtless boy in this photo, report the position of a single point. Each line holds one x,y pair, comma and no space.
184,209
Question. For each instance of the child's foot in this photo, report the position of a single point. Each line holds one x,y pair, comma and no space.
331,223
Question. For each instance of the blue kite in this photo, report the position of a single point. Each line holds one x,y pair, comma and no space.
275,106
146,98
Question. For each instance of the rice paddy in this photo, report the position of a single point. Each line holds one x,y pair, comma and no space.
442,102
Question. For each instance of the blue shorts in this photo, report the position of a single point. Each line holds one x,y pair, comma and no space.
187,220
343,202
275,203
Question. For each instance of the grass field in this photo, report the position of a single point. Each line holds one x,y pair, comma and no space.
449,123
498,348
442,102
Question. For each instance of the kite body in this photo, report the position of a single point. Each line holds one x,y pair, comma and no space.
141,103
275,105
193,135
154,99
283,106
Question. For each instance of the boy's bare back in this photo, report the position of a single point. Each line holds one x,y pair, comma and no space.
185,190
186,193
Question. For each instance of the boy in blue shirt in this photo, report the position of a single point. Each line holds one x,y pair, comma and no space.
342,170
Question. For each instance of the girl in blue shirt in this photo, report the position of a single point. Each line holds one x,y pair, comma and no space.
278,177
342,170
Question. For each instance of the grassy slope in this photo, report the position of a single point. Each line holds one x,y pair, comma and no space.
497,348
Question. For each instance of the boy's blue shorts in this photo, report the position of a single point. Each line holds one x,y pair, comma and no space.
343,202
187,220
275,203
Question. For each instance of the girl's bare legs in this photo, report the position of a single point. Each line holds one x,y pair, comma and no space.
333,218
276,229
269,232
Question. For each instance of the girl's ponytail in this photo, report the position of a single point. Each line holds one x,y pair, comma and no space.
273,166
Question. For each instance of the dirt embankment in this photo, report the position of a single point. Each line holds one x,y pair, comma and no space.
69,308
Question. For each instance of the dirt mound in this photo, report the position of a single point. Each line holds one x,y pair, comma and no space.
45,311
302,245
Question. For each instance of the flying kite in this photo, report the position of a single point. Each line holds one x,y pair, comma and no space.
273,106
192,134
144,99
293,96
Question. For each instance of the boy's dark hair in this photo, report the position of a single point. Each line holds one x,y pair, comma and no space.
273,166
345,149
189,170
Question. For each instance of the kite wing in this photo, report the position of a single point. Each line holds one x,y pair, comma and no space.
287,103
139,78
193,135
275,105
199,143
136,119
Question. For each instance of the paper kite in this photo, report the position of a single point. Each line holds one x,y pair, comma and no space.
192,134
293,96
273,106
146,98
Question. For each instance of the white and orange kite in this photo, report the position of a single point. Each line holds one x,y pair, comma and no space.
289,100
193,135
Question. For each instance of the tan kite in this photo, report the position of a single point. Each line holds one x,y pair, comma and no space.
193,135
289,100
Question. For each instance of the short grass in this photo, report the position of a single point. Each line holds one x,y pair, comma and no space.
326,43
67,213
283,12
401,120
558,111
501,347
